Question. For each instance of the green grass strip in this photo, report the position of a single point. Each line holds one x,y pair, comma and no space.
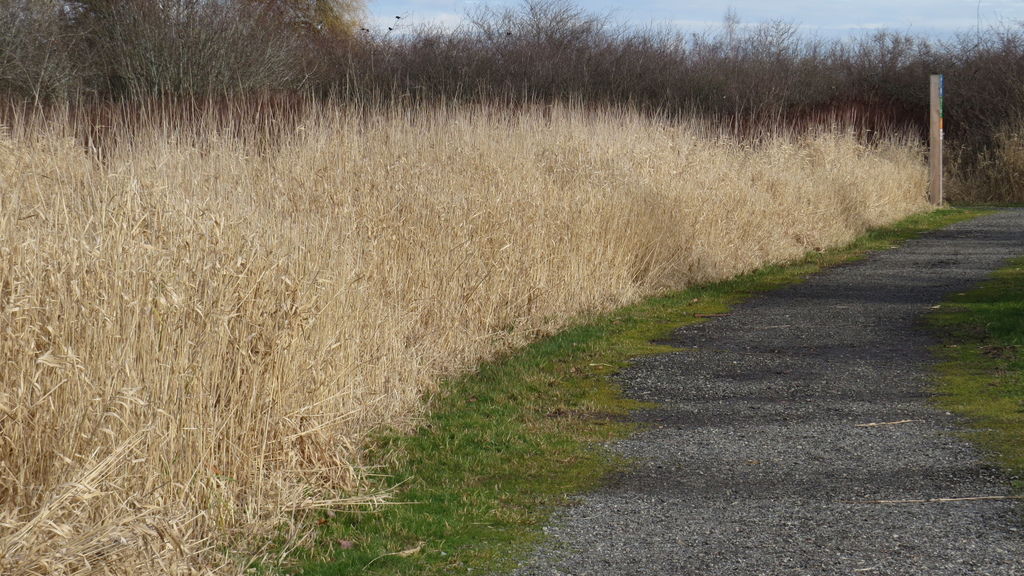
981,375
502,447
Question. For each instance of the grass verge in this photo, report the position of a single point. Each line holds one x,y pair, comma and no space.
503,446
981,375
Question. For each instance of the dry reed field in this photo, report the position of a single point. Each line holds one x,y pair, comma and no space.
200,325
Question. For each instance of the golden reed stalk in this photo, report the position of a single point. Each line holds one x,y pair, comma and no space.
201,322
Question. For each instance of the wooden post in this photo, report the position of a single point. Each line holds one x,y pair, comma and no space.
935,141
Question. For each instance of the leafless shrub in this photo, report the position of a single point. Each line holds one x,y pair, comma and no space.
142,47
35,50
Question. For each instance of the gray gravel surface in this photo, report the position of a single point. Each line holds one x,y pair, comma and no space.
754,463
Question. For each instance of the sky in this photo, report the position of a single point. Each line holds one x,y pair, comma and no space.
828,18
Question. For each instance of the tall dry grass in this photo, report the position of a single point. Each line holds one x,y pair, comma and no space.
994,175
199,326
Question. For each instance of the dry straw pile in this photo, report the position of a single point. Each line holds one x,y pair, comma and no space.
200,325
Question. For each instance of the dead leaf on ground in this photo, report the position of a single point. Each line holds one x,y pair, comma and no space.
411,551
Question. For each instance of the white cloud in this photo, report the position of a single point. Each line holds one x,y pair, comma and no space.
414,19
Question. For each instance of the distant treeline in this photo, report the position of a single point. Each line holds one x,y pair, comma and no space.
749,77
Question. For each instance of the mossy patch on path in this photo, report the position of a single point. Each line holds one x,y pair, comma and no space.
981,376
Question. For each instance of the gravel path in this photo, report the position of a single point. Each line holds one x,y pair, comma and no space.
755,461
